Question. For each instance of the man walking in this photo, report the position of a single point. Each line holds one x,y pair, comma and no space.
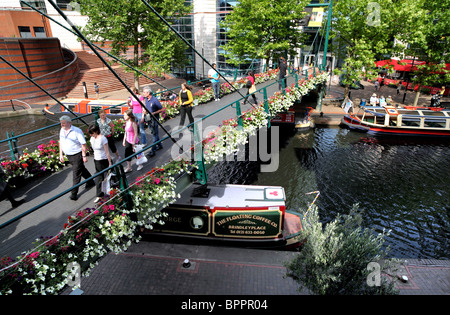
73,144
155,107
283,73
214,76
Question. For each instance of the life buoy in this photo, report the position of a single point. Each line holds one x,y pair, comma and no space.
391,111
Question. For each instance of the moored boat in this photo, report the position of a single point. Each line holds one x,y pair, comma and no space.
417,121
247,215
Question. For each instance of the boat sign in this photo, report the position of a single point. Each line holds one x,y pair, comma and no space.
243,223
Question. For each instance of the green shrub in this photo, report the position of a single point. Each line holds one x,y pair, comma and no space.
334,259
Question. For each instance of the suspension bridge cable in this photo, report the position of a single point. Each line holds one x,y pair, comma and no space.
96,46
40,87
109,67
189,44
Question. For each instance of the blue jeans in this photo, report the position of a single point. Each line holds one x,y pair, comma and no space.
216,89
141,128
155,136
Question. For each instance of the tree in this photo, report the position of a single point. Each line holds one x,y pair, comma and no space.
263,29
131,23
334,259
364,30
428,40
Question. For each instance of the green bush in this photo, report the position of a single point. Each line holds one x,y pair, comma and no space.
334,259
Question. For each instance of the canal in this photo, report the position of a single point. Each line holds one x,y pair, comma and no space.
402,185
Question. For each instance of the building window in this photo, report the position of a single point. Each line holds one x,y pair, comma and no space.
39,4
39,32
25,31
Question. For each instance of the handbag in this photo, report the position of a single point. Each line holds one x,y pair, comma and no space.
141,159
252,89
248,84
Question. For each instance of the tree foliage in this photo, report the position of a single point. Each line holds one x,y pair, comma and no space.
364,31
263,29
428,38
334,259
132,23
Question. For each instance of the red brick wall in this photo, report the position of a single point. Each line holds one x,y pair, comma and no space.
41,59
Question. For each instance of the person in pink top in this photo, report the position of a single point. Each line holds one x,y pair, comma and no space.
250,79
137,113
131,136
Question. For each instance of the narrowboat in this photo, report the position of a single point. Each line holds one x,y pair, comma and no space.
87,106
300,120
409,121
243,215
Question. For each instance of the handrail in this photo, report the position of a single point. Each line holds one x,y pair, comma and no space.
117,164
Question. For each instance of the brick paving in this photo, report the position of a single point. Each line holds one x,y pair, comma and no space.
155,268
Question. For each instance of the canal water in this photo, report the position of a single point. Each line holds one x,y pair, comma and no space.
402,185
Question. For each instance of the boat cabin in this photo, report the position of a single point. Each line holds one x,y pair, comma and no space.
227,211
420,118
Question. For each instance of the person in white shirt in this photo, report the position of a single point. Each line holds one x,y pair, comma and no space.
73,144
102,158
373,100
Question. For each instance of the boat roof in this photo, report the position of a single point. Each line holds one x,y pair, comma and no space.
378,110
232,196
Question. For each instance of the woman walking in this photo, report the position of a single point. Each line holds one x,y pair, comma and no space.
137,113
251,88
131,136
107,129
186,100
102,158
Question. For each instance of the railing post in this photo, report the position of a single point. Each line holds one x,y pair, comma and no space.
123,185
239,115
12,143
296,79
266,106
200,173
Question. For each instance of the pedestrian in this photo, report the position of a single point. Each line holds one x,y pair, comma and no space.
186,100
97,89
155,107
282,73
399,86
251,88
131,136
107,129
213,75
5,190
102,158
73,144
377,84
137,113
381,79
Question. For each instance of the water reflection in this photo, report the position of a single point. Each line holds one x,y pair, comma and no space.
401,184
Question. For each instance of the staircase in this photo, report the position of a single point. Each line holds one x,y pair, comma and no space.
93,70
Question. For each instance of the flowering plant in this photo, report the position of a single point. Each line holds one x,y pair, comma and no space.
44,159
154,191
119,128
